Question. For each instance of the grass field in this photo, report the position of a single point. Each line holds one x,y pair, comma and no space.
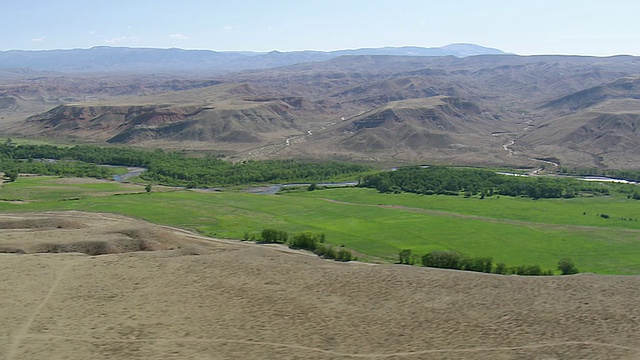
515,231
31,141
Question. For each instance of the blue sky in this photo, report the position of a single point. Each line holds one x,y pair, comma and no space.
585,27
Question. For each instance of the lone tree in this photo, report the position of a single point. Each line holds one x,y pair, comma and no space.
12,175
148,188
567,267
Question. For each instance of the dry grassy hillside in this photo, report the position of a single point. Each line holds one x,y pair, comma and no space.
593,127
200,298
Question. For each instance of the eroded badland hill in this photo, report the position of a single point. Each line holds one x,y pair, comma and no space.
580,111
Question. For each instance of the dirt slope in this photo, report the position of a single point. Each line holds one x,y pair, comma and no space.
245,301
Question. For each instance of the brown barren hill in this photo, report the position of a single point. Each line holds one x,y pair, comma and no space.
202,298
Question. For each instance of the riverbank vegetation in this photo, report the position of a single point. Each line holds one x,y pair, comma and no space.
440,180
178,169
169,168
630,175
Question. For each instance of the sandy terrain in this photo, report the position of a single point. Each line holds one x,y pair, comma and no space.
200,298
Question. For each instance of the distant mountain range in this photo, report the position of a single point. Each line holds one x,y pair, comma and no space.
118,59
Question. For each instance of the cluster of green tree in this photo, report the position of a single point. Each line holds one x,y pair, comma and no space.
194,172
305,241
470,182
178,169
454,260
457,261
84,153
12,167
315,243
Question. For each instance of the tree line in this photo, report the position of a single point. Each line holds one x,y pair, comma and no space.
12,168
456,261
304,241
174,168
472,182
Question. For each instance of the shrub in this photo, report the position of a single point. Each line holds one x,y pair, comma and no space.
306,241
527,270
343,255
481,264
443,260
325,251
404,257
315,243
12,175
501,268
547,272
274,236
567,267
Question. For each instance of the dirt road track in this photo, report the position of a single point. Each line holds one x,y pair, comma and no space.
23,333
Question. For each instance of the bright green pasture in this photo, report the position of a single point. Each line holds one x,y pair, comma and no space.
499,228
577,211
31,141
51,188
21,141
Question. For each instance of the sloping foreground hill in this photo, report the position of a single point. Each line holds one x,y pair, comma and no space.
200,298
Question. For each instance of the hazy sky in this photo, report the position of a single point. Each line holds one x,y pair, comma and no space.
589,27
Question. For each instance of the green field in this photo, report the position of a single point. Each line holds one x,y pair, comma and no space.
515,231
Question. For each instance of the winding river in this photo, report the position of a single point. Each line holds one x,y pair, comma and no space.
131,172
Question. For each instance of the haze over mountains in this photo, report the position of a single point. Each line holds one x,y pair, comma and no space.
474,106
104,58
